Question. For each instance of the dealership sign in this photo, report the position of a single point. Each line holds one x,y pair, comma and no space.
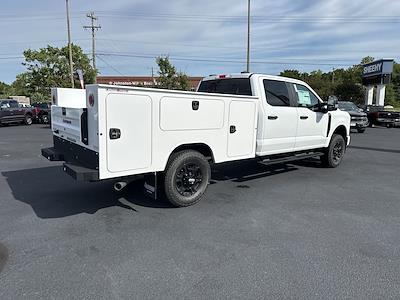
379,67
377,72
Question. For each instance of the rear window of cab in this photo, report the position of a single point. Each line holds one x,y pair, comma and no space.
233,86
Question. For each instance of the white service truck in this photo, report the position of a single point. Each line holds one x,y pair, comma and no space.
172,137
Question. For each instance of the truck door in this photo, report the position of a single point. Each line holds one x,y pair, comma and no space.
279,121
312,125
18,114
129,132
5,111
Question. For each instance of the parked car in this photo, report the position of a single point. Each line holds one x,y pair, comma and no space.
378,115
125,133
11,112
41,112
359,119
24,105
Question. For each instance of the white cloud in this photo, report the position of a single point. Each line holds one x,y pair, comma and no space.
289,31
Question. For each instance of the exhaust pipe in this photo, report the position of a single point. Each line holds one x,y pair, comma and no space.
120,185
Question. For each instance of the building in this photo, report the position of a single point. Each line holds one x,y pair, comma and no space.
146,81
21,99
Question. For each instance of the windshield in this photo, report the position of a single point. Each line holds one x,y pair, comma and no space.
348,106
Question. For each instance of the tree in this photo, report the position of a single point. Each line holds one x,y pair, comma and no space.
49,67
4,89
169,78
350,91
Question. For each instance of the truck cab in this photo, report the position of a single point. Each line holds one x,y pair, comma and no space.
291,115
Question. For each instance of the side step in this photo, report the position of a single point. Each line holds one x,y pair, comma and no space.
299,156
52,154
80,173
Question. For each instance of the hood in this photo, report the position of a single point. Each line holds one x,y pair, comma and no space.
357,114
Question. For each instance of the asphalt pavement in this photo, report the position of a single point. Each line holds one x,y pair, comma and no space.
294,231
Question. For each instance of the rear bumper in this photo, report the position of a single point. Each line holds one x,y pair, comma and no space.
80,163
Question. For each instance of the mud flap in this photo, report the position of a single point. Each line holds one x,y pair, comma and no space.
150,185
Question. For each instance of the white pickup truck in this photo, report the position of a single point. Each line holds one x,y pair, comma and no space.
172,137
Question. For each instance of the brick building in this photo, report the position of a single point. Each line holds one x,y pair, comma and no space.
146,81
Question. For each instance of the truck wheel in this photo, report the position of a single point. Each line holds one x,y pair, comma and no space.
334,154
28,120
45,119
186,178
360,130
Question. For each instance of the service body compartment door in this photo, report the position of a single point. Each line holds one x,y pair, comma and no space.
242,128
129,132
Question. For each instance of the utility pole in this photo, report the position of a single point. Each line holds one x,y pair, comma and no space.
333,75
93,27
248,36
71,67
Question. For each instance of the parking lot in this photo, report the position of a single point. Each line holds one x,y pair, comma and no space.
284,231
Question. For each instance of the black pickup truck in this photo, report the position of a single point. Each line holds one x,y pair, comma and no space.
11,112
377,115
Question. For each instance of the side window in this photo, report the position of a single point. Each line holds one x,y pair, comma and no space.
5,104
305,98
14,104
276,92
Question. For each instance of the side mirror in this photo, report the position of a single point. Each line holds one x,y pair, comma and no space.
333,103
324,108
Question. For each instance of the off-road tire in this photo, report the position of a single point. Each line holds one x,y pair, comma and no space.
334,153
178,177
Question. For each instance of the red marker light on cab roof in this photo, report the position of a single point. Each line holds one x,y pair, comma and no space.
91,100
221,76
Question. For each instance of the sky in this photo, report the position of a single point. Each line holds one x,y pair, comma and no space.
205,37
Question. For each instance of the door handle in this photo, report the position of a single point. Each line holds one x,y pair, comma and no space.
272,117
115,133
232,129
303,117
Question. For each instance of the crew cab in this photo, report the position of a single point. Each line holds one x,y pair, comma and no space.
172,138
12,112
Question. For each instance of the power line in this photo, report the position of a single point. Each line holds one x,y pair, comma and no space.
94,28
305,63
115,69
256,19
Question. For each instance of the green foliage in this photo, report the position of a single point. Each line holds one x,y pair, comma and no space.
39,97
169,78
49,67
4,90
346,84
350,91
